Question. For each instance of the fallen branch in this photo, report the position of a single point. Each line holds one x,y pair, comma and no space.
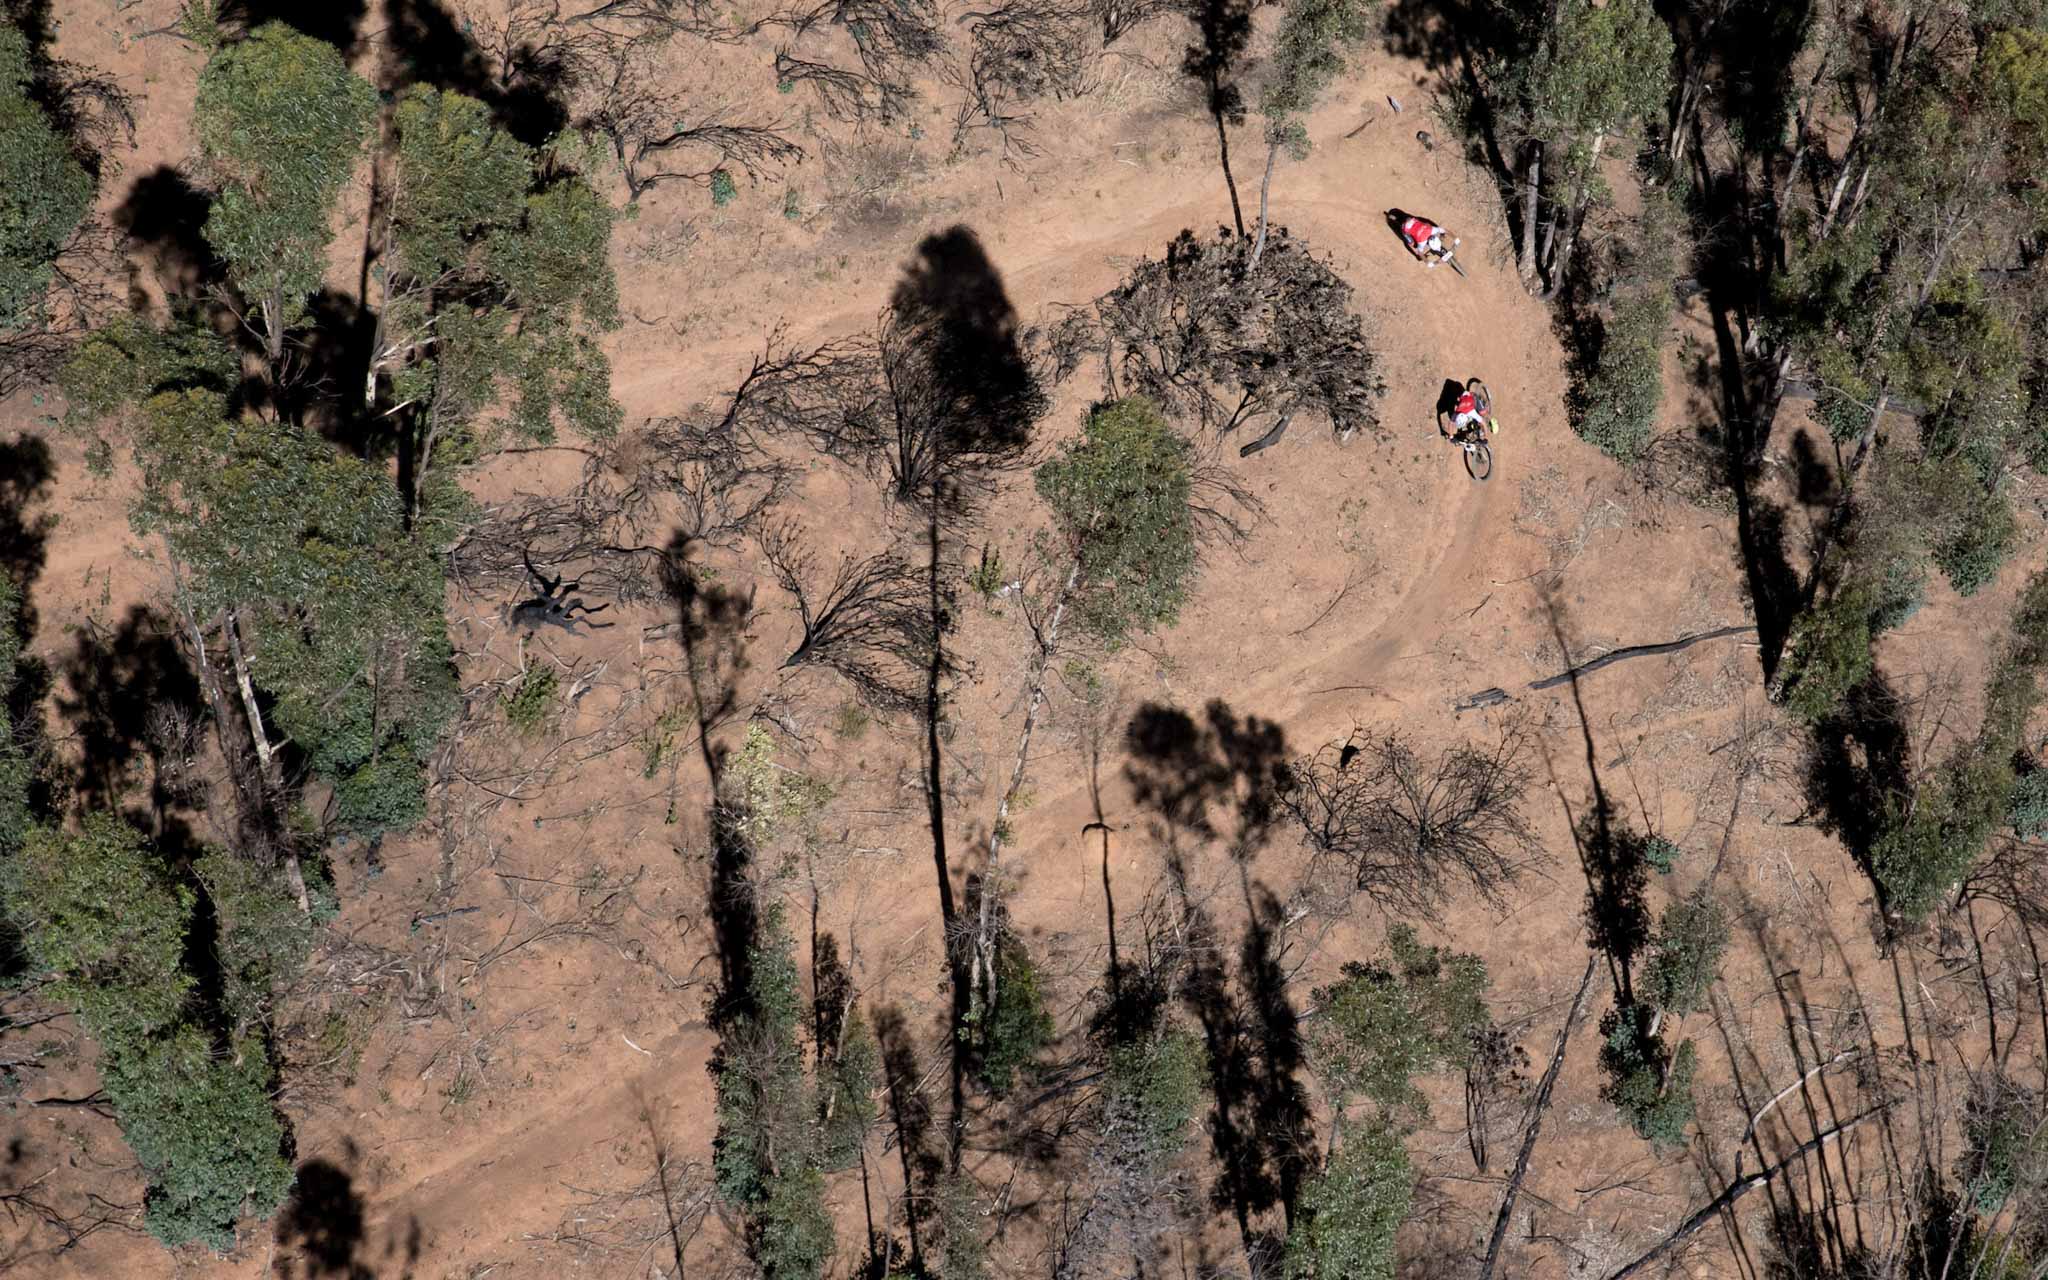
1350,581
1740,1188
1507,1200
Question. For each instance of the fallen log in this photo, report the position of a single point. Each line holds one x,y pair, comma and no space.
1637,651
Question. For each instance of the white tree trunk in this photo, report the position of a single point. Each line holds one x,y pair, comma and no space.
265,753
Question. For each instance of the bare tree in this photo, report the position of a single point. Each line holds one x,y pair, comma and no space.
893,42
870,621
1210,335
660,134
1017,52
702,478
1405,829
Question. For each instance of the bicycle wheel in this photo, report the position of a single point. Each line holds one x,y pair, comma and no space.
1479,461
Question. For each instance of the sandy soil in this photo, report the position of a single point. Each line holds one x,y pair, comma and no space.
477,1134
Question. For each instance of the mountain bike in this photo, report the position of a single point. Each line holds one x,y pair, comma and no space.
1473,440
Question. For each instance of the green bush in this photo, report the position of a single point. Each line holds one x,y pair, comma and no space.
1651,1085
262,939
2026,809
1615,404
388,793
44,191
1901,590
1350,1213
962,1255
1971,557
1691,940
1121,498
1661,855
204,1130
15,770
1007,1037
1385,1024
723,192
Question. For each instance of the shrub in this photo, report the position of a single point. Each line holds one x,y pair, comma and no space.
98,909
1350,1212
1660,854
723,192
1008,1036
2026,809
1983,541
530,707
1121,498
1901,590
1651,1085
15,769
793,1234
44,191
202,1126
1691,940
1615,403
1156,1087
763,799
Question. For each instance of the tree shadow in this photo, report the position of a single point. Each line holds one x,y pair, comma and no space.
1183,770
132,694
26,473
1223,30
988,394
1859,760
1259,1123
338,22
910,1115
710,625
320,379
165,213
1817,487
324,1221
428,46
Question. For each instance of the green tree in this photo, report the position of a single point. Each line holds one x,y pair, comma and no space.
1650,1083
1008,1023
1577,76
201,1123
16,772
771,1148
281,123
496,283
1385,1024
1345,1225
850,1077
1120,499
1685,958
1308,55
261,938
1930,838
44,190
97,909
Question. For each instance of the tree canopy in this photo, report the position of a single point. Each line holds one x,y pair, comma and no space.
44,190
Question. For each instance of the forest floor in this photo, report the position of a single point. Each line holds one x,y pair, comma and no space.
499,1079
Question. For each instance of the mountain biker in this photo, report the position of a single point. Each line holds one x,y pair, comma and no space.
1469,417
1426,241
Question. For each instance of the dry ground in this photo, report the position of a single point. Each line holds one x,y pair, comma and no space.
493,1079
